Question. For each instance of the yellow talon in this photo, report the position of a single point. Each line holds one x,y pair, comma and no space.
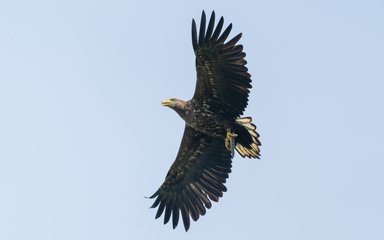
230,141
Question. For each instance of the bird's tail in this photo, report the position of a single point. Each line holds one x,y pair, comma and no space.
247,142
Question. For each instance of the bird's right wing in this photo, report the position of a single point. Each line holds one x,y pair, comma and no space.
197,176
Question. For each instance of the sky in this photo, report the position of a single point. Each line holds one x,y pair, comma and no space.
84,138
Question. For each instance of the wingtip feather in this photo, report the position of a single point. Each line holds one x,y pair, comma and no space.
202,28
218,29
225,34
194,35
211,25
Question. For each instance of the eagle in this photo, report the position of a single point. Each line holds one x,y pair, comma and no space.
214,128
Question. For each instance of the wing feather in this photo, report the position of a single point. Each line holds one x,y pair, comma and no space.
211,25
202,28
218,29
194,34
233,41
225,34
185,215
176,212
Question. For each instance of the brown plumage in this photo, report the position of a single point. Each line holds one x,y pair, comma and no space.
203,162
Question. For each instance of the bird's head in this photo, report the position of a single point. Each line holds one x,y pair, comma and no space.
176,104
173,103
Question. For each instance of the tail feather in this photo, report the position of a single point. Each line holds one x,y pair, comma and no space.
247,143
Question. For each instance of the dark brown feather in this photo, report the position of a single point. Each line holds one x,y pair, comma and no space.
218,29
185,216
194,35
160,210
232,42
202,28
175,212
225,34
211,25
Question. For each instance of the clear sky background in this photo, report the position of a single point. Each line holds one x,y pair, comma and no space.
83,137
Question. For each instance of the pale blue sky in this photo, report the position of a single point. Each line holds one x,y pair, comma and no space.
83,137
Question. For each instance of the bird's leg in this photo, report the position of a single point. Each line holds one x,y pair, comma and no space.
230,141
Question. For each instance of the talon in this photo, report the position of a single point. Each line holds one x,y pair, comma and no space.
230,141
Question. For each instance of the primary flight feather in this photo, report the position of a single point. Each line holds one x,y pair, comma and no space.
213,126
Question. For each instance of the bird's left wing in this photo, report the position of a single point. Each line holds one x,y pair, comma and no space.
196,177
223,81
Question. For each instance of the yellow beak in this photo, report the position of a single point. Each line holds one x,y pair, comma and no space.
167,103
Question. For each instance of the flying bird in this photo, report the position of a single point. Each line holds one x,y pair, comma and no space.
214,128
